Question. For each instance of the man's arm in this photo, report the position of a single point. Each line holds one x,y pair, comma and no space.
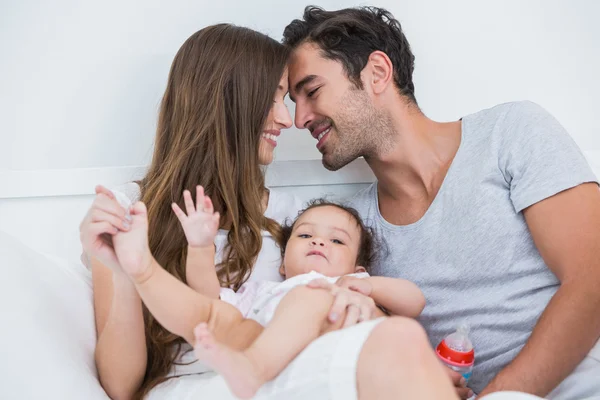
200,271
566,231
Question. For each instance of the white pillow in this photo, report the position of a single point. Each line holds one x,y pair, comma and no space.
48,332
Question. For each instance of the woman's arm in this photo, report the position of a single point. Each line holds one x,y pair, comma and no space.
121,347
121,354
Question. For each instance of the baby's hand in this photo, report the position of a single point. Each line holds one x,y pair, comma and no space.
201,223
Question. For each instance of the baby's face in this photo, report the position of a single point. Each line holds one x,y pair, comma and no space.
324,239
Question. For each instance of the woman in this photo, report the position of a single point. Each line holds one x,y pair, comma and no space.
220,117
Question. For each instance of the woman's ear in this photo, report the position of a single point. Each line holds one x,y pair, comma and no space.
282,270
359,269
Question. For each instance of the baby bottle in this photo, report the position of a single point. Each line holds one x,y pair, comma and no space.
456,351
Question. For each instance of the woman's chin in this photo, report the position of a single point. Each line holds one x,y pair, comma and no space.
266,153
265,160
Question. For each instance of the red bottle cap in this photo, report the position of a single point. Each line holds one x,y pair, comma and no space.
454,357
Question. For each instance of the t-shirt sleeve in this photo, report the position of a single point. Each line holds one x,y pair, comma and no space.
538,157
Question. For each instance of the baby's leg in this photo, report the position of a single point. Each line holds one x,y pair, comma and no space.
180,309
300,318
230,328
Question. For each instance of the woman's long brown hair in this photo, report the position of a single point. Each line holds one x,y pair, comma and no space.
219,92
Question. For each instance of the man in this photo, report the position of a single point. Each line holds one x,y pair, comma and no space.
496,217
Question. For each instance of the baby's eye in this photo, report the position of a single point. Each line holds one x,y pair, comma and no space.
304,236
337,241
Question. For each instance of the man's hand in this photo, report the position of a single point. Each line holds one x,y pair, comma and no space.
359,307
460,384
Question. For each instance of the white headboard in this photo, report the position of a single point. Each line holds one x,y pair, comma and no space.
43,208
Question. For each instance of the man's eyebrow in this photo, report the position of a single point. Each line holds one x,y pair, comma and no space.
305,81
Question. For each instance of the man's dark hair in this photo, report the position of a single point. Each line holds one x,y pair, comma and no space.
351,35
368,246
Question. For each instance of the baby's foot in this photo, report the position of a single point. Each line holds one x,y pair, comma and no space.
131,247
237,370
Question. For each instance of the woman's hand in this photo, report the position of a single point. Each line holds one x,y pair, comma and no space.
359,307
105,218
201,223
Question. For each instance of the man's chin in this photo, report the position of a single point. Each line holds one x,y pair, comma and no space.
328,166
334,165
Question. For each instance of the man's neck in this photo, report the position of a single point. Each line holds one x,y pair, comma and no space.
415,166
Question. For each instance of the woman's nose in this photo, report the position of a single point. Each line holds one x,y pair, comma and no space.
283,117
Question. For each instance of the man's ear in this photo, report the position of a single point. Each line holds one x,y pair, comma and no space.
359,269
382,71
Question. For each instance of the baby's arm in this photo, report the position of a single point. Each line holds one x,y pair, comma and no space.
200,226
200,271
175,306
398,296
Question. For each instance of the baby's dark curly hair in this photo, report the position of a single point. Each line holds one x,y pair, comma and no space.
368,245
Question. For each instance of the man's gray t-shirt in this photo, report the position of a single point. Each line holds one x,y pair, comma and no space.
472,253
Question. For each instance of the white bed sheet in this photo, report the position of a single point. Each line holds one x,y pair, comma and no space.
48,335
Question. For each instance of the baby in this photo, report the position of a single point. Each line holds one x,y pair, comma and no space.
250,336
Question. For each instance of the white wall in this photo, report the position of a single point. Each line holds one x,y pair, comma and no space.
80,82
44,208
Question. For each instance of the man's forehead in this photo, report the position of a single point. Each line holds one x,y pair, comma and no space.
304,61
306,51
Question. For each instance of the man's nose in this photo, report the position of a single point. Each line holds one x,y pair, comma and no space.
303,116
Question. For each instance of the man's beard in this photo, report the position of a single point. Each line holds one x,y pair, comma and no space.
345,151
363,132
